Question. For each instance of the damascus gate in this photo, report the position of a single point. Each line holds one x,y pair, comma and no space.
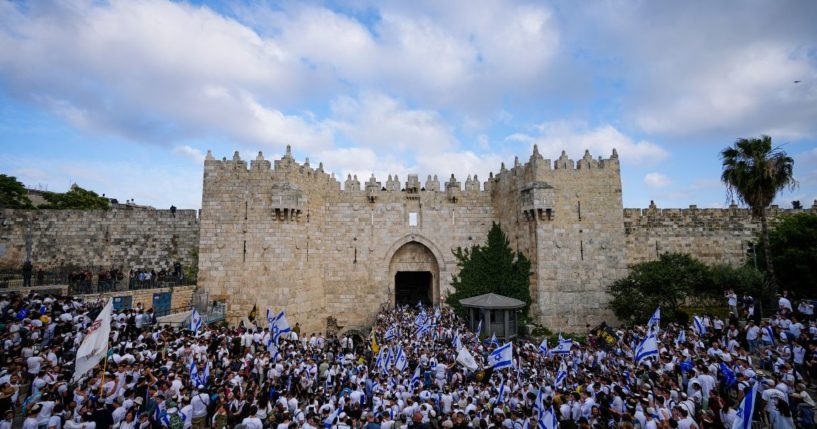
286,234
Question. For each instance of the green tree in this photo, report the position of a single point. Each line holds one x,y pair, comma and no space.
754,171
76,198
491,268
743,280
13,194
665,282
793,241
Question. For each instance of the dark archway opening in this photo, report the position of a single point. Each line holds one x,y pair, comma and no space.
411,287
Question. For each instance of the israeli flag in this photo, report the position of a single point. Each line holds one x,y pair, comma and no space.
561,376
563,347
543,348
331,419
479,328
457,343
420,319
387,361
682,337
194,372
769,332
195,321
698,325
746,410
416,377
390,334
494,341
278,325
501,357
655,320
379,361
728,375
400,361
500,396
549,420
647,348
539,407
422,330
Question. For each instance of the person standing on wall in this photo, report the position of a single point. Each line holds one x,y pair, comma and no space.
27,269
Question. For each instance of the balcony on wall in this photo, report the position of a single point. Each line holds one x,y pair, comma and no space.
287,203
537,201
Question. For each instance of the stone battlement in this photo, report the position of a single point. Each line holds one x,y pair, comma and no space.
537,168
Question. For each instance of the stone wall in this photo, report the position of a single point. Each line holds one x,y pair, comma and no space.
121,238
286,235
711,235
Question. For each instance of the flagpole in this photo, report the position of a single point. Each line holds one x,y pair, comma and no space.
104,370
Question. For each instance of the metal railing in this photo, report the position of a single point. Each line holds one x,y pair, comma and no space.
88,282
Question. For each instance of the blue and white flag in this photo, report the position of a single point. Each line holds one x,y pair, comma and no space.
199,377
416,377
500,395
729,377
329,421
682,337
647,348
457,342
543,348
563,347
655,321
770,332
421,319
494,341
549,420
390,334
400,361
561,376
698,325
501,357
379,361
278,325
479,329
387,361
195,321
743,419
422,330
539,406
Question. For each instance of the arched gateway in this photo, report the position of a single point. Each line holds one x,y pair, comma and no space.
414,274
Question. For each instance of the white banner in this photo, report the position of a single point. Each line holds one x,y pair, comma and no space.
95,344
467,360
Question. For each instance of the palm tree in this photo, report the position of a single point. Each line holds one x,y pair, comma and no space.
754,172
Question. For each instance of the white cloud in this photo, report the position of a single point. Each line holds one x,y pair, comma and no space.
189,152
656,180
378,121
575,137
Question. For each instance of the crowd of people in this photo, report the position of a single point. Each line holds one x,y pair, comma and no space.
252,377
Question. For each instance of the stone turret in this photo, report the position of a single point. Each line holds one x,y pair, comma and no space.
432,184
563,163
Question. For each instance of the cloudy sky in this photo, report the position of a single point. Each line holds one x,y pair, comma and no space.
126,96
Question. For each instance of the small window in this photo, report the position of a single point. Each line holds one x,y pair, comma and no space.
413,219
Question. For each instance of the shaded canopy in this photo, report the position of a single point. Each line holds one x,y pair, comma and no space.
492,301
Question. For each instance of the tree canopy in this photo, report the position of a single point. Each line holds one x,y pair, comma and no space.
793,241
491,268
755,172
13,194
671,281
76,198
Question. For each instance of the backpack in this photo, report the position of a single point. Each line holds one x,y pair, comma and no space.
175,421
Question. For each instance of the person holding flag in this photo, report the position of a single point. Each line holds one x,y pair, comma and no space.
654,324
648,348
94,346
746,410
195,321
278,325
